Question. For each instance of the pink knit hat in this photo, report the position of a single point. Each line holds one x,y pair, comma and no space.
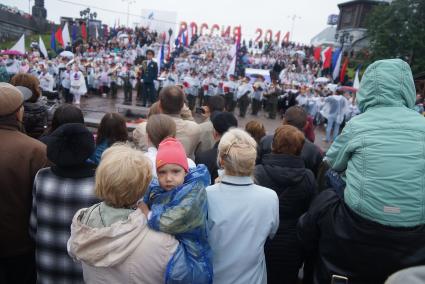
171,151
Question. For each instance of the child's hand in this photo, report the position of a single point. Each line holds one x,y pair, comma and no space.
143,207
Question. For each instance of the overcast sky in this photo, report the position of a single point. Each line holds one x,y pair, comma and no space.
266,14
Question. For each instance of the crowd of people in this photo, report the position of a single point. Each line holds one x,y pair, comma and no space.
175,201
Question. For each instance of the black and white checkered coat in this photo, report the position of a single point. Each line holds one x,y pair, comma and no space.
55,201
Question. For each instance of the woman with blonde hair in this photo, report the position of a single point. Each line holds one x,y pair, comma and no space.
111,238
241,215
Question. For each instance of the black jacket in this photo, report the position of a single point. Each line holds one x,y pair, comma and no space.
349,245
310,153
209,159
35,119
295,186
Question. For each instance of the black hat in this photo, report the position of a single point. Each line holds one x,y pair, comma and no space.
70,145
222,121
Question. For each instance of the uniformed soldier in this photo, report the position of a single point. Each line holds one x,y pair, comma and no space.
272,96
244,94
113,80
127,75
230,88
149,75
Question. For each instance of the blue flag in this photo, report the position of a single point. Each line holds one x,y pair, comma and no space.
53,40
335,57
74,33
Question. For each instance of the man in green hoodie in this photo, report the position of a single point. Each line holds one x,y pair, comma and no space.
382,151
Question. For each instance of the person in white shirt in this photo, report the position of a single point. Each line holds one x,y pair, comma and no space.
46,80
78,84
243,95
66,84
241,215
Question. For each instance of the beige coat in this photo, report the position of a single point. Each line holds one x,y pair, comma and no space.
188,133
207,136
126,252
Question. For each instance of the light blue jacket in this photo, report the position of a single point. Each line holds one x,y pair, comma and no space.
382,150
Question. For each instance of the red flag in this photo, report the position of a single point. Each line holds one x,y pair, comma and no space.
317,53
58,36
286,37
83,31
343,70
327,60
169,49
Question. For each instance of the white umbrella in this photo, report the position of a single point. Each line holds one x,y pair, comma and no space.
67,54
300,52
321,80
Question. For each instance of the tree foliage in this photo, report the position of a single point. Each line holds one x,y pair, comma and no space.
398,31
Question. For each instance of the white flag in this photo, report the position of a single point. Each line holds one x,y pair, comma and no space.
42,47
65,35
20,45
96,33
232,51
232,67
356,83
335,74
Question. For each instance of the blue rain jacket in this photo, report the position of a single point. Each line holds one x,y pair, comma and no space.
182,212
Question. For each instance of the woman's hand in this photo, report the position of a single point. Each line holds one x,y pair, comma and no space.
144,208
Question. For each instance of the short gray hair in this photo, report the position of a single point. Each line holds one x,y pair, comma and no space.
238,151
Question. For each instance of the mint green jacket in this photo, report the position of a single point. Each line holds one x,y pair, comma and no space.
383,149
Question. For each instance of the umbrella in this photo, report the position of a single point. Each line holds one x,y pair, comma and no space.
321,80
11,52
300,52
66,53
348,89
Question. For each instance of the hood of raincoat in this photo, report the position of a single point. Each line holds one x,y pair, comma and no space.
387,83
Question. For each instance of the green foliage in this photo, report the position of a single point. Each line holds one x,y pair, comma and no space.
28,40
398,31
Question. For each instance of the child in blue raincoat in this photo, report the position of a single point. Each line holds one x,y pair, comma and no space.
178,206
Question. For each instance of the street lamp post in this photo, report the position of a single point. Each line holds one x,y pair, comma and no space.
293,18
129,2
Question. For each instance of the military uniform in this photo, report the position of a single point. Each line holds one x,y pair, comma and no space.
149,75
244,94
272,97
126,76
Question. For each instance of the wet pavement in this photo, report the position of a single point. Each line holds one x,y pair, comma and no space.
94,107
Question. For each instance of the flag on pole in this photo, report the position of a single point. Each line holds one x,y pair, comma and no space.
189,35
232,67
327,57
74,33
184,39
169,49
84,31
286,37
96,35
65,35
335,56
20,45
356,83
343,70
160,58
317,52
42,47
58,36
53,40
337,64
